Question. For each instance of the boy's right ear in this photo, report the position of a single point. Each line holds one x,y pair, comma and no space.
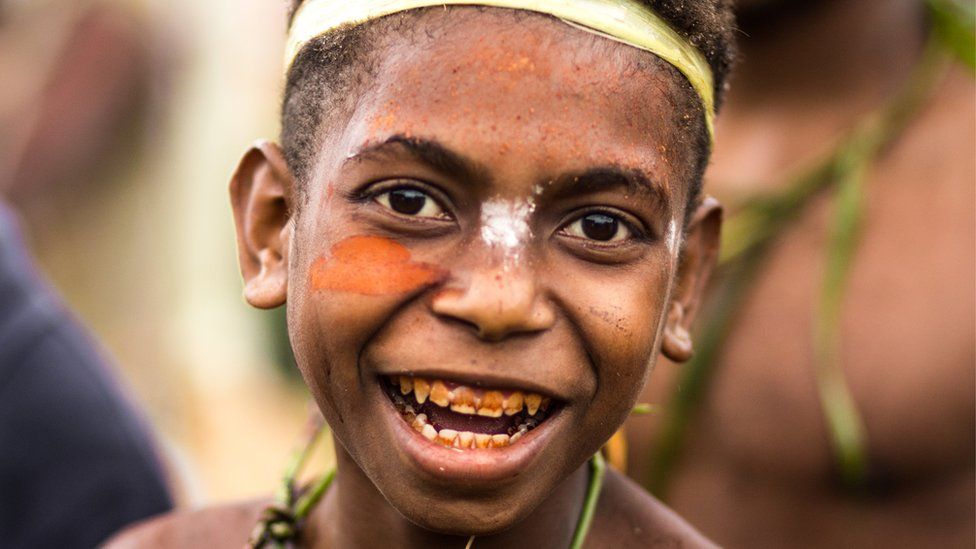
261,192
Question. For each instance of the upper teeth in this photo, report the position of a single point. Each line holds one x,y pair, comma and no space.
466,400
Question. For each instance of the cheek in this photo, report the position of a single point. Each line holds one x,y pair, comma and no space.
340,300
625,328
372,266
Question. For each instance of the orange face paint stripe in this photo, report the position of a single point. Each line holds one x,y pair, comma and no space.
372,265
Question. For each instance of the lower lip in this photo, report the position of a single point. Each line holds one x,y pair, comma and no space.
469,466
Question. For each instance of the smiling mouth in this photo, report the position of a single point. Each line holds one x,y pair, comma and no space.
466,418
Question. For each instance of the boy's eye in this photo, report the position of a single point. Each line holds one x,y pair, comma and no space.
412,202
602,227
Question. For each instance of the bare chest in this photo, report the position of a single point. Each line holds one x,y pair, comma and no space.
907,328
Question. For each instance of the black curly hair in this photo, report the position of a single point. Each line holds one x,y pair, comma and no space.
322,75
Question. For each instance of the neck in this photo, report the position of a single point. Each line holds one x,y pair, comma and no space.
355,514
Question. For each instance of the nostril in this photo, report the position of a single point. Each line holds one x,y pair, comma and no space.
467,324
495,309
449,305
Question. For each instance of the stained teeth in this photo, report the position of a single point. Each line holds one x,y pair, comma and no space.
468,401
464,396
421,389
464,400
440,395
447,436
499,441
406,385
462,408
513,404
491,404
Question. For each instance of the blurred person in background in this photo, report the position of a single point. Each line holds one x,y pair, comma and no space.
764,463
112,131
76,461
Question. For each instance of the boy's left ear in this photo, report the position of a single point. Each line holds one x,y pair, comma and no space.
697,261
261,192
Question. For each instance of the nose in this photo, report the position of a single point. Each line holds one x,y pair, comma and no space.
498,302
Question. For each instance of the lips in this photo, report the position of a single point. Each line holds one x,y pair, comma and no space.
466,418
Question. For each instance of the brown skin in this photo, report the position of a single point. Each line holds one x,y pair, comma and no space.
626,517
572,318
760,444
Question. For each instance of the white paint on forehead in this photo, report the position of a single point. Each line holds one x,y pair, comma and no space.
505,225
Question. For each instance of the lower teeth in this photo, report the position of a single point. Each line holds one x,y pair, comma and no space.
462,440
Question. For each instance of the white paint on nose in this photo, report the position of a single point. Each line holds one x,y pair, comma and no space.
505,226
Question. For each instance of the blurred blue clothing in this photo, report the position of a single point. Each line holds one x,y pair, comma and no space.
76,461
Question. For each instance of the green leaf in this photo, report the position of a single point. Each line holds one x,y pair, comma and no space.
954,22
644,408
840,411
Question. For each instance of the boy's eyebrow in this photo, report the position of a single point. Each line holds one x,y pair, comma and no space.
427,151
610,177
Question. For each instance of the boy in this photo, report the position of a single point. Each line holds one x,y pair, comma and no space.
486,223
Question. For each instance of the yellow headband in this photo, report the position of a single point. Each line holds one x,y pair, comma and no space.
625,21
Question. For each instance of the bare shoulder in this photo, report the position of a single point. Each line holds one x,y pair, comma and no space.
212,528
628,516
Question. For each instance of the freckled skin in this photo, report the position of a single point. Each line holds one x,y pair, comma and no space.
488,88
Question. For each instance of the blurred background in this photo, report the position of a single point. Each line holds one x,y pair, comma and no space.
122,121
840,414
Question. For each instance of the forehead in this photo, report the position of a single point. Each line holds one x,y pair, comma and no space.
523,92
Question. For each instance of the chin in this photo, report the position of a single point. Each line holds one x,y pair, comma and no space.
468,518
457,484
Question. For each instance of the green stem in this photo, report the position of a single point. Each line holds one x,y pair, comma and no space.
839,408
306,502
286,490
599,469
643,408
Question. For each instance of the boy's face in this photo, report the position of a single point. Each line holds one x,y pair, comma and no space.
499,218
